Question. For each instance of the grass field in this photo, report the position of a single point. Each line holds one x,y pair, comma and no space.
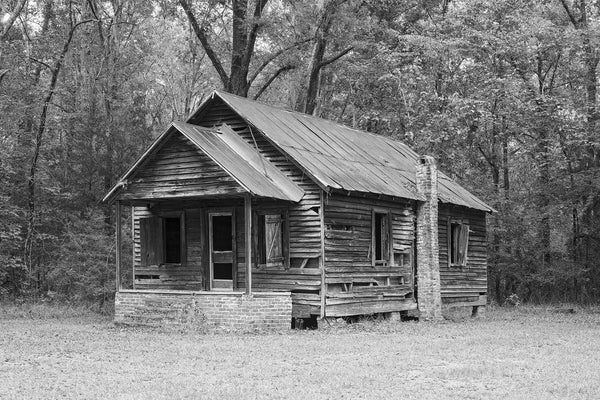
532,353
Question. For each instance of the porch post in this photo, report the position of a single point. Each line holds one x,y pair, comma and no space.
248,236
118,252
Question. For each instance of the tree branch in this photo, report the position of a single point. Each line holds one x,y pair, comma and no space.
569,13
258,10
205,44
273,57
487,158
275,75
2,73
336,57
13,16
41,63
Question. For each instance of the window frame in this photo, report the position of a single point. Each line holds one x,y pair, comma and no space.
259,234
387,259
453,242
156,238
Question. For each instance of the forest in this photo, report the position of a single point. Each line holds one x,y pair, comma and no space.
502,93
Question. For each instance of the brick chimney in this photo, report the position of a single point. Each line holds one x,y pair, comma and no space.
429,297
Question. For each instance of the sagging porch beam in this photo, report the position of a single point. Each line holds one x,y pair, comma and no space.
248,236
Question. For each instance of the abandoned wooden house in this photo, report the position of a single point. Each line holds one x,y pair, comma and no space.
251,215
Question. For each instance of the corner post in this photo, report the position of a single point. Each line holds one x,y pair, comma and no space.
248,236
429,297
119,256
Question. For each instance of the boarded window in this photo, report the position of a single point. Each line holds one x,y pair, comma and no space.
458,243
271,228
381,239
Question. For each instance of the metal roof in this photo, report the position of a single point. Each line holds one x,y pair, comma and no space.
242,162
339,157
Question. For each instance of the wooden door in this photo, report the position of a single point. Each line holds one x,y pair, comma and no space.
221,236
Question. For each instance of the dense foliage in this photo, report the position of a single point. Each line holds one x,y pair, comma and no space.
503,94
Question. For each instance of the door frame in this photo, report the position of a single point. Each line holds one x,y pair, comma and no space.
212,212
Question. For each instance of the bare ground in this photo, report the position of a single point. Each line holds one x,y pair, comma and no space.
533,353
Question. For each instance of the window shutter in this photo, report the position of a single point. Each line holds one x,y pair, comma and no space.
385,237
448,243
390,233
274,253
455,238
151,241
463,244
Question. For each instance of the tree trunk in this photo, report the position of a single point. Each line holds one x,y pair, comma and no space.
244,34
307,103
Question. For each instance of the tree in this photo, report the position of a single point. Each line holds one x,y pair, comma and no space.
246,28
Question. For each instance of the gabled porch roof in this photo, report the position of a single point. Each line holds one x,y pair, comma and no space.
254,174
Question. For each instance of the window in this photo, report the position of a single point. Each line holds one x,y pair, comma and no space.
271,249
172,229
162,240
458,243
381,243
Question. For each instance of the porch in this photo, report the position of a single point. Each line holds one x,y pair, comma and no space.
208,263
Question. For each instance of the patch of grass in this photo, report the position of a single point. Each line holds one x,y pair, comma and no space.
527,352
41,310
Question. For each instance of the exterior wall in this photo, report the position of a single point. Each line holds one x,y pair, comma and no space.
464,285
205,311
354,285
194,275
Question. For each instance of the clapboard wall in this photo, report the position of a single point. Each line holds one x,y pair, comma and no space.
463,284
354,284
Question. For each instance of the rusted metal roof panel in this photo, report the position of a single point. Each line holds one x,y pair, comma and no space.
340,157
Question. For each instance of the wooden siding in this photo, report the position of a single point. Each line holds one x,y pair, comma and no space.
354,285
463,284
302,273
178,169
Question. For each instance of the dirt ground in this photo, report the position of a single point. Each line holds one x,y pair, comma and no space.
533,353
